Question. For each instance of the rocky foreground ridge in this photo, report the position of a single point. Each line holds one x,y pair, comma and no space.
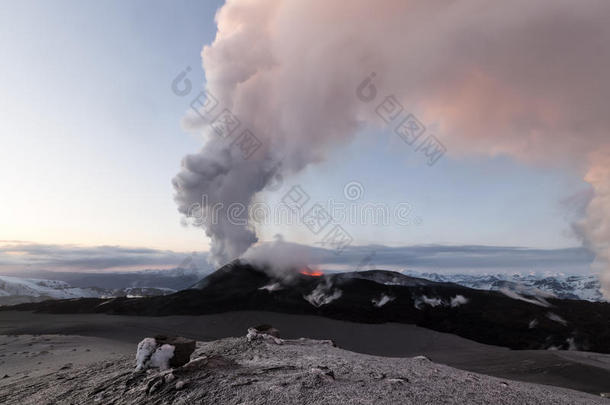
265,369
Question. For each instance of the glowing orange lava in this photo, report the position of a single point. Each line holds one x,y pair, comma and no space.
311,273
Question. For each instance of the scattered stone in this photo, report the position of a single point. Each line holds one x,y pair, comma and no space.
377,375
5,376
180,384
169,378
324,371
66,366
154,385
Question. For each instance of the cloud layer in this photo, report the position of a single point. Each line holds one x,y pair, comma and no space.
425,258
15,256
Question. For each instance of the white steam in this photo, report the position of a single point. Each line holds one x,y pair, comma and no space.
279,258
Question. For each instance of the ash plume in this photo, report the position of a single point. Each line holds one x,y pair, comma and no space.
520,78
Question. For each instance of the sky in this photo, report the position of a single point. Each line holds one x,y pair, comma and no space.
92,135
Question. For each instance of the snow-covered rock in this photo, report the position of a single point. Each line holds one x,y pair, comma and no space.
163,352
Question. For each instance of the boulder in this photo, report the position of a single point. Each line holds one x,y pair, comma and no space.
183,348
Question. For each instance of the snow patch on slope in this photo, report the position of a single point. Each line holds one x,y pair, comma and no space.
531,300
436,302
323,294
381,301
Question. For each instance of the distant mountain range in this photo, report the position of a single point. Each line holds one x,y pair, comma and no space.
175,278
519,319
17,290
36,286
574,287
40,285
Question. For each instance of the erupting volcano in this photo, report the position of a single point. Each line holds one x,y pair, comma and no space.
311,273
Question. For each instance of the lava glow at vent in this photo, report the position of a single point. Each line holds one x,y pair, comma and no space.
310,272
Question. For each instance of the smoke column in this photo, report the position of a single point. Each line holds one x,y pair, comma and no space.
520,78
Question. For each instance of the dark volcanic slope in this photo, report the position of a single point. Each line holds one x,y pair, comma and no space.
484,316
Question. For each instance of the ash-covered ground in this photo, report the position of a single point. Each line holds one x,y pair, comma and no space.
582,371
298,371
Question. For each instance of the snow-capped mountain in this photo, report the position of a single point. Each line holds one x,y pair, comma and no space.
578,287
16,290
175,279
